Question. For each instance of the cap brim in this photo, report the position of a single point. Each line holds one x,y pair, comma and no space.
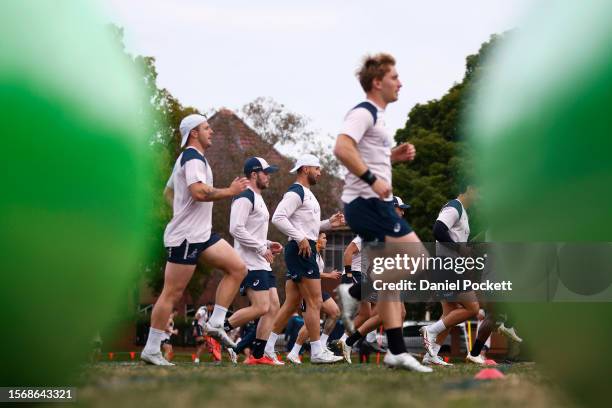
404,206
293,170
271,169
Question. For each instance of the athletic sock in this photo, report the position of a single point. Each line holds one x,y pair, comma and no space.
153,341
371,337
218,316
355,291
436,328
353,338
478,344
436,348
258,348
324,338
271,343
316,348
344,337
295,350
396,341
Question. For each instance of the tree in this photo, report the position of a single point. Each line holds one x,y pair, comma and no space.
443,154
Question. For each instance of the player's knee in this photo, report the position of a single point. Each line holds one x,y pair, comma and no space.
334,312
314,303
262,308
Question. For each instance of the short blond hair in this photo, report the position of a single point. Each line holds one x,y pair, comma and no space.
374,67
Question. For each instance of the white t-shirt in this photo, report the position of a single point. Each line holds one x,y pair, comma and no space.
249,218
374,142
454,216
298,215
320,262
356,258
191,220
203,315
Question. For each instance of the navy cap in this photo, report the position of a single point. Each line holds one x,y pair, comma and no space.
397,202
258,164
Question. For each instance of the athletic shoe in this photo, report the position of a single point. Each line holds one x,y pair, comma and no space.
232,355
294,359
510,333
218,332
405,361
349,306
272,356
374,346
476,360
428,340
346,350
155,359
428,359
325,357
264,360
196,361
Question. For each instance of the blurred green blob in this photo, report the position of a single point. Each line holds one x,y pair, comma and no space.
75,199
541,121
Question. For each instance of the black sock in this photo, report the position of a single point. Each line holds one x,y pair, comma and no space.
353,338
227,326
258,348
355,291
477,348
396,341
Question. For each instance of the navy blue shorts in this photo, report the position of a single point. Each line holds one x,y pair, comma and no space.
324,295
355,279
299,267
188,253
271,279
374,219
256,280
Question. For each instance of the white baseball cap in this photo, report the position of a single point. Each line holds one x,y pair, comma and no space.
306,160
189,123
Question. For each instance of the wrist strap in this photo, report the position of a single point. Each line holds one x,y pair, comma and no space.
368,177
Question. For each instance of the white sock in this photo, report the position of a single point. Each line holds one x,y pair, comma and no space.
324,338
371,337
436,349
344,337
153,341
316,348
436,328
295,350
271,343
217,318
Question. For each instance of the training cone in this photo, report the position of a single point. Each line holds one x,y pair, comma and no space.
489,374
111,356
132,355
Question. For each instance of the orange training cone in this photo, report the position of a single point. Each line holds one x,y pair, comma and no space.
489,374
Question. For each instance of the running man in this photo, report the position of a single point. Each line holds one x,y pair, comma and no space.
188,237
298,216
364,148
328,307
249,226
451,231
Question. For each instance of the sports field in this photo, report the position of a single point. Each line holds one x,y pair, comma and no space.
132,384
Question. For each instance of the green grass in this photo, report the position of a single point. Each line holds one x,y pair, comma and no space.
132,384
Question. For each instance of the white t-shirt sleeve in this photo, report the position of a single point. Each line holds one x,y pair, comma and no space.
356,123
291,201
170,182
357,242
325,225
449,216
238,217
195,171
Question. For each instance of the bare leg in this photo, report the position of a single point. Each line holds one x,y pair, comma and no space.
310,289
260,305
222,256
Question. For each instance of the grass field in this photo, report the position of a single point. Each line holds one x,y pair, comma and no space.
132,384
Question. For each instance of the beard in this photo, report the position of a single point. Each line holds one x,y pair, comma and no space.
260,184
312,179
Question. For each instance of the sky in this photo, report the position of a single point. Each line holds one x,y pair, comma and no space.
304,54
